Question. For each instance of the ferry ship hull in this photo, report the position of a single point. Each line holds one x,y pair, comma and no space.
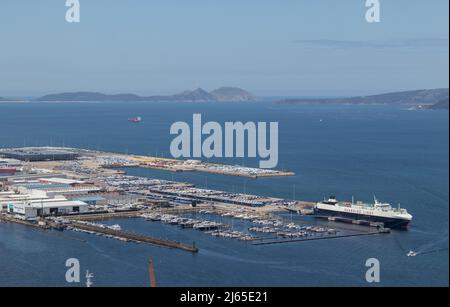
388,222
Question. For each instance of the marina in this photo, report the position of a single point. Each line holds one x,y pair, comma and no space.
274,230
68,189
75,190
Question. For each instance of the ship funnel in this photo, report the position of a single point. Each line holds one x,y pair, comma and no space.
332,199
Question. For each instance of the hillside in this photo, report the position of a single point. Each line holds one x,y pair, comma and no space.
197,95
417,97
88,96
441,105
232,94
3,99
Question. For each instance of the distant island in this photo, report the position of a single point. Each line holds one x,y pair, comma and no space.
423,98
223,94
431,99
441,105
3,99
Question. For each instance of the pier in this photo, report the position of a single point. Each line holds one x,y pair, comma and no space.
175,165
125,236
105,215
136,237
274,241
102,216
8,219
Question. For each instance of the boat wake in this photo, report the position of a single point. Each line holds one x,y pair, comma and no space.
428,248
433,251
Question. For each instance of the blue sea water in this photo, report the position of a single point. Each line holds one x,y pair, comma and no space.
398,155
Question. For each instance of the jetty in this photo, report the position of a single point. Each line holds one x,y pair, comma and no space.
138,238
327,237
120,234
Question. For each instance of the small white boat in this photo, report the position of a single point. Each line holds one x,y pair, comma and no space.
115,227
411,254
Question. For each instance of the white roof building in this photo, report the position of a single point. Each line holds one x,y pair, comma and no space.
60,181
34,209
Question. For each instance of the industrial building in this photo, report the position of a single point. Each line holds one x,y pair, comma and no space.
94,200
57,189
31,210
37,203
53,186
30,198
39,154
5,162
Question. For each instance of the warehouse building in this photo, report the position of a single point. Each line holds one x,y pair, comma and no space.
34,209
94,200
37,203
33,203
39,154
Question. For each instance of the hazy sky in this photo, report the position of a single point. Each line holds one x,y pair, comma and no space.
278,47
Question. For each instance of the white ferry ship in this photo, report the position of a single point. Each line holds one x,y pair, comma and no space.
377,212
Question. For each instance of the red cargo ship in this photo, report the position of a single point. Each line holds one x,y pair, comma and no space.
135,119
7,170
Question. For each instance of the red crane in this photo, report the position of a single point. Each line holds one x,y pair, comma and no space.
151,272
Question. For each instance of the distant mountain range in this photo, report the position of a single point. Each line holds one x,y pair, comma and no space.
411,98
432,99
225,94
